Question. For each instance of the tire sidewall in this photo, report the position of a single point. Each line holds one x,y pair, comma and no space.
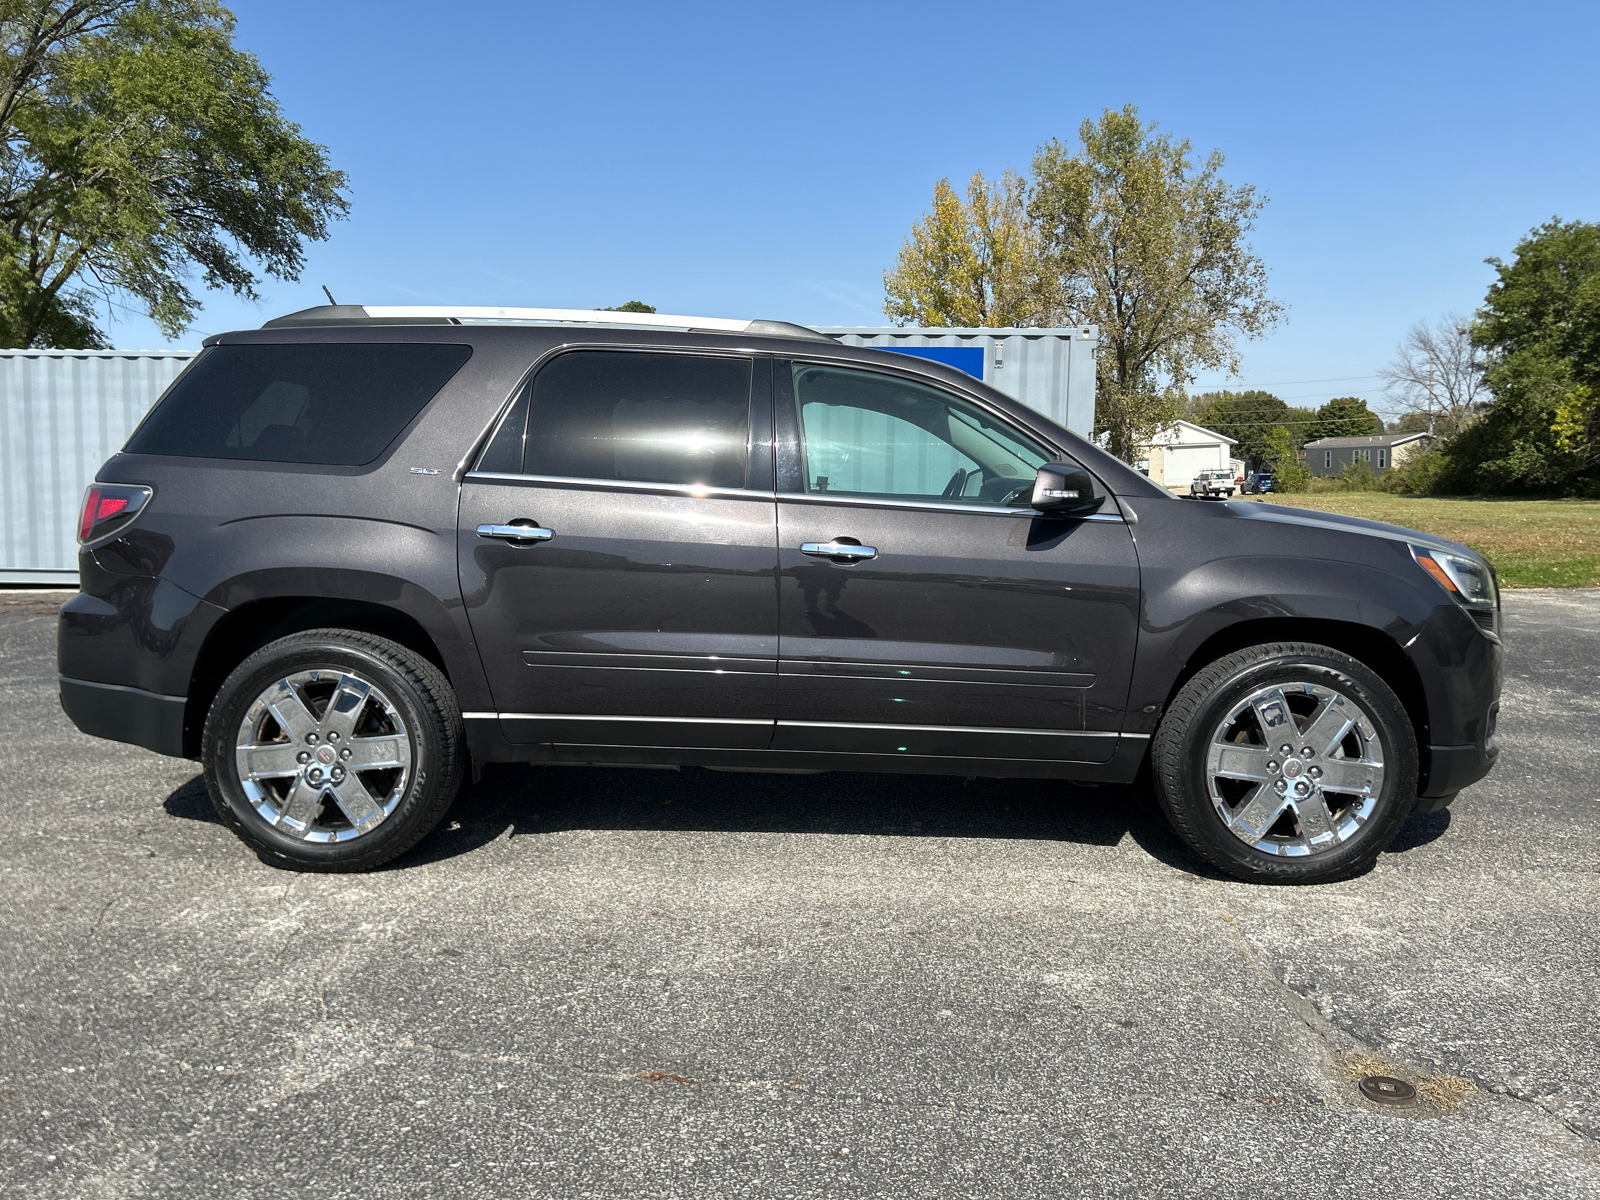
1395,736
424,731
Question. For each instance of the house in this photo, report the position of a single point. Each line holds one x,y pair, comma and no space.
1331,455
1176,454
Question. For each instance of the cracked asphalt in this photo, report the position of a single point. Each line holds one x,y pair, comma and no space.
598,983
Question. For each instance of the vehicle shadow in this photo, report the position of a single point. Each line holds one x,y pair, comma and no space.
526,801
1419,831
190,802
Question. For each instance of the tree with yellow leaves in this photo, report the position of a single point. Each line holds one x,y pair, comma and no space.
968,263
1128,233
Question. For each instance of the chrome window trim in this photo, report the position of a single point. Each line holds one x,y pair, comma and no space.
486,435
692,490
934,506
695,491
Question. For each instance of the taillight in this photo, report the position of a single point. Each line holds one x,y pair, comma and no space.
107,506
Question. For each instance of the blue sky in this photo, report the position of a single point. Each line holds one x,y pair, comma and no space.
754,160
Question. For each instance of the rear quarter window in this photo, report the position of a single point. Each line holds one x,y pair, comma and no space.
323,404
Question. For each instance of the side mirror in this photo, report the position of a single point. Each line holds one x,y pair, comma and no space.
1062,489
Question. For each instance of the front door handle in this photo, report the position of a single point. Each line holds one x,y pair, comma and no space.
516,533
838,549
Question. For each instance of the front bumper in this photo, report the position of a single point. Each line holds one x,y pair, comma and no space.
1451,768
1461,673
125,714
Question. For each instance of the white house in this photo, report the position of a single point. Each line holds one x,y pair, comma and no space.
1178,453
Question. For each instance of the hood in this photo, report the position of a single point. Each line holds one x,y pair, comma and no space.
1310,518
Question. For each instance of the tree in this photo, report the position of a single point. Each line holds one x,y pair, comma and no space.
968,263
1540,330
638,306
1290,474
1299,422
1344,416
1439,371
140,148
1412,422
1136,238
1247,417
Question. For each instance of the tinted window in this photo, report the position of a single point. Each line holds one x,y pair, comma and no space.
652,418
867,434
503,454
332,404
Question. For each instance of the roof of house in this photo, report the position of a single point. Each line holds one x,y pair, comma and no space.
1371,439
1210,436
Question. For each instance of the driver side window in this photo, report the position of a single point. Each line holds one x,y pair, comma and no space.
870,435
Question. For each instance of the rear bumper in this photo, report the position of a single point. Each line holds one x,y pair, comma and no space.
125,714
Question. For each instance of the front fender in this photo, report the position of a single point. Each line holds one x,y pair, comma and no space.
1187,606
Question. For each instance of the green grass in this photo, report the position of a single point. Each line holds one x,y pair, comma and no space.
1532,543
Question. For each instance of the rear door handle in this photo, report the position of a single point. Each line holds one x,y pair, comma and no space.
838,549
516,533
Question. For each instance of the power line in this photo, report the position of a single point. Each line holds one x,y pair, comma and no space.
1290,398
1319,396
1221,425
1242,424
1293,382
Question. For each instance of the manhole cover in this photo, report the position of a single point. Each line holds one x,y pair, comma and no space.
1385,1089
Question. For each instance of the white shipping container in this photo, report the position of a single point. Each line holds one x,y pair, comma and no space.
1049,370
62,414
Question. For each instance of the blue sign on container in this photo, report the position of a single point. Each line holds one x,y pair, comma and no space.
962,358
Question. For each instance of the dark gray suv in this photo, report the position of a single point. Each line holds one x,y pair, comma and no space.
353,555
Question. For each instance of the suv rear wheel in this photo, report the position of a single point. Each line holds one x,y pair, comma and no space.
333,750
1286,763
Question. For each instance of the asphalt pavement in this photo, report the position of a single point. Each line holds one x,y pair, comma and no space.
637,983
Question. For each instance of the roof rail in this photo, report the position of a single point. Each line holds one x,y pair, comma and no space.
417,314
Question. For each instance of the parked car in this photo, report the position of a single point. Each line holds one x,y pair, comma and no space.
1214,484
352,556
1257,482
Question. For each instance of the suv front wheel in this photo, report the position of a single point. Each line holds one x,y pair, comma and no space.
1286,763
333,750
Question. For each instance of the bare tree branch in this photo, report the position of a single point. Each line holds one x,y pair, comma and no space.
1438,371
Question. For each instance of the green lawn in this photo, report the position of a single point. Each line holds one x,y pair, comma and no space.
1532,543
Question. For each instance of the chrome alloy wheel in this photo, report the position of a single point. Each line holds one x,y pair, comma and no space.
1295,769
323,756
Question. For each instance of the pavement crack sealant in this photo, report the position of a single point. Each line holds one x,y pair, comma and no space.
1346,1044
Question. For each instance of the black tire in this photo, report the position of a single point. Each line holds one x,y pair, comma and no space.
1183,785
411,688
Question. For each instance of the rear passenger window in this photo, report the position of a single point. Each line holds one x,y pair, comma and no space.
642,417
329,404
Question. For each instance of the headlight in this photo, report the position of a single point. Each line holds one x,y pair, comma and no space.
1469,580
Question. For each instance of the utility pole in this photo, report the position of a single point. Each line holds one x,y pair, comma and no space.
1430,400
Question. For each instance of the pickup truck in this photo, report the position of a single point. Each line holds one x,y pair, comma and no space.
1214,484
